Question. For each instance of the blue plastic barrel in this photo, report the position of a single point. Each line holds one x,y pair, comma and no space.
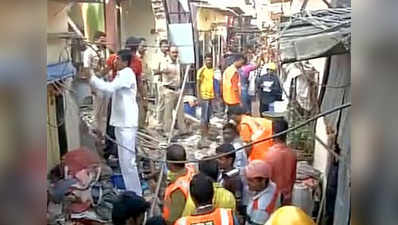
117,181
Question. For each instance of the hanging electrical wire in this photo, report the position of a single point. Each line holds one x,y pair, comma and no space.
338,108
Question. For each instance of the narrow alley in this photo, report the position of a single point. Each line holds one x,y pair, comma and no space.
183,112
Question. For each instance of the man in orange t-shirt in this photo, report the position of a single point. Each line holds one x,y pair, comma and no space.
231,84
253,129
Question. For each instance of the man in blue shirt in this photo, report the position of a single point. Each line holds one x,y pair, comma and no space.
269,89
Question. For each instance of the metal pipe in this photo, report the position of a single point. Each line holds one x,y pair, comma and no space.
168,142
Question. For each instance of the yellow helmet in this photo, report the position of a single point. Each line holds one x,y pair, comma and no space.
289,215
271,66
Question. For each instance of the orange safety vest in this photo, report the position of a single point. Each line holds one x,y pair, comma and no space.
271,207
182,183
231,86
261,207
218,216
258,128
268,210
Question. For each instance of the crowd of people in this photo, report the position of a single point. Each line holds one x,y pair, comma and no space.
241,184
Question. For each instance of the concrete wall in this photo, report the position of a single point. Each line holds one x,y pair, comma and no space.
57,21
206,17
137,20
264,8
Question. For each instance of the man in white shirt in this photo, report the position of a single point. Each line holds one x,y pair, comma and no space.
231,136
93,56
264,193
124,116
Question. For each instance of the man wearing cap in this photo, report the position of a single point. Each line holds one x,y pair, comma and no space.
269,88
129,209
264,194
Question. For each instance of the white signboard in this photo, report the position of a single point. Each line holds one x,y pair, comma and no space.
181,36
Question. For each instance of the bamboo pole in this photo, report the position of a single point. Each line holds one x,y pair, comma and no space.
168,142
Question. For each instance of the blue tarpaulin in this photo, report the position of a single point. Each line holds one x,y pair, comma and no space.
60,71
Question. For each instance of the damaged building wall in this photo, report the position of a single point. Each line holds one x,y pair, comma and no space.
206,17
137,19
57,21
53,152
58,51
72,118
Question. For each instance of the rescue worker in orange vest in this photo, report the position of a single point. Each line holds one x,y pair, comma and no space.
253,129
264,193
179,178
201,189
231,83
222,198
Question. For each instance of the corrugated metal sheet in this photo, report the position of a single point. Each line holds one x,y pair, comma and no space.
343,200
340,75
60,71
315,34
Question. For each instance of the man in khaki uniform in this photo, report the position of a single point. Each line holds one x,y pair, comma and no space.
170,90
158,68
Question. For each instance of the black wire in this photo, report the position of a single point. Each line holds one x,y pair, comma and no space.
338,108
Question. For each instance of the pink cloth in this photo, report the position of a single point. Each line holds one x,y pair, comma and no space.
258,168
283,162
80,159
246,69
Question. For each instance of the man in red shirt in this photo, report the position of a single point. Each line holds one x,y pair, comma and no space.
110,66
283,162
133,43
